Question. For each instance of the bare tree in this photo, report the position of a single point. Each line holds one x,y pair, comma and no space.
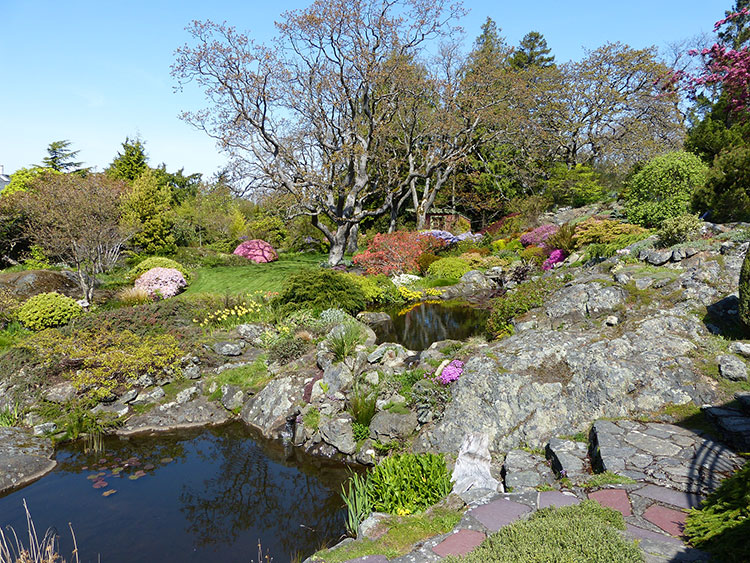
76,218
309,113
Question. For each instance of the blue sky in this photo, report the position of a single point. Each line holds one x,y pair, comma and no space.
95,72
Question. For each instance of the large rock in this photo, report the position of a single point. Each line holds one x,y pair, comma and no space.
61,393
584,300
338,433
337,377
172,415
229,348
525,471
278,402
568,458
32,282
472,469
23,457
731,367
387,426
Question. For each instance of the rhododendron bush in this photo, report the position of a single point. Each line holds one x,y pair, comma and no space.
257,250
161,283
396,253
538,235
555,257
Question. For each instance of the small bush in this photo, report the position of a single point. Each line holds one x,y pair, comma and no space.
396,253
563,239
508,224
156,262
161,283
534,255
321,289
343,342
679,229
287,349
425,260
378,290
48,310
605,231
525,297
538,236
448,268
585,533
9,305
664,188
362,405
360,431
722,523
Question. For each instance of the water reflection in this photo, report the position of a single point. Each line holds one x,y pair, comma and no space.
431,322
198,495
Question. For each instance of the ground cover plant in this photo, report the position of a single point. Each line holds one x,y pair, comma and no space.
585,533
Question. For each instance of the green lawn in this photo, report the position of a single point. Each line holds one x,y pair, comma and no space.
253,277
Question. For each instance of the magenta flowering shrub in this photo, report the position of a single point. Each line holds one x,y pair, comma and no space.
161,283
555,257
258,251
539,235
451,372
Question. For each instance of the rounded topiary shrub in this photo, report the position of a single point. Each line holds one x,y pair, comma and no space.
745,291
161,283
156,262
47,310
258,251
664,188
448,268
319,290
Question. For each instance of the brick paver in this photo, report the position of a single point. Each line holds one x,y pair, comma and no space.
613,498
671,521
499,513
556,498
460,543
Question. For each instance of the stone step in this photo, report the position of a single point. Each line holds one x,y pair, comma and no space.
734,425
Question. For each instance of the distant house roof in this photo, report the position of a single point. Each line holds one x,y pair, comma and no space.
4,178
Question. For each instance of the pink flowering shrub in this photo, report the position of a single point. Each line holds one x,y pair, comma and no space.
555,257
258,251
450,373
538,235
161,283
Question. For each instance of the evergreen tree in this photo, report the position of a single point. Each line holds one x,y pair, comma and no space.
532,51
737,30
147,212
60,158
130,163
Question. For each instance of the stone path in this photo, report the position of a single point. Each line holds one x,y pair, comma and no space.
673,469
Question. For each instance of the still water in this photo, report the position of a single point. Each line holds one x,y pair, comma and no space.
420,325
200,495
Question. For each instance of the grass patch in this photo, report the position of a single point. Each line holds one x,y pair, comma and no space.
722,524
311,419
252,277
403,532
577,437
690,416
252,376
586,533
607,478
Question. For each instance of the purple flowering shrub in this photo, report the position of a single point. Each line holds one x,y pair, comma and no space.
450,238
539,235
161,283
450,373
555,257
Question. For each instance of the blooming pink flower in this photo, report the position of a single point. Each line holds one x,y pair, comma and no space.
161,283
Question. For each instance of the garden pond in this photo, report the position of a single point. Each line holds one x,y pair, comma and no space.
419,325
207,494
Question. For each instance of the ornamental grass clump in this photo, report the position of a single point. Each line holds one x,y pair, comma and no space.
161,283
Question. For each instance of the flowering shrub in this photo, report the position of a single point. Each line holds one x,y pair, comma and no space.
538,235
161,283
555,257
450,373
256,250
155,262
405,279
395,253
229,317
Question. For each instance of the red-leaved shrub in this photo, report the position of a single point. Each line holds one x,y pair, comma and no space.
396,253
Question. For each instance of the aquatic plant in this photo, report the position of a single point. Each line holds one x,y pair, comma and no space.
45,550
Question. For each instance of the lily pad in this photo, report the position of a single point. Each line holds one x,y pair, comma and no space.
148,466
109,492
167,460
100,484
140,473
116,470
133,477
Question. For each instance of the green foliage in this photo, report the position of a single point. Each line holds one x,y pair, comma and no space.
360,431
607,478
575,186
343,342
146,210
722,523
664,188
448,268
37,259
522,299
11,333
99,360
534,255
408,483
48,310
378,290
562,239
311,419
744,288
253,376
321,289
130,163
156,262
357,501
23,179
362,406
605,231
60,158
10,416
425,260
676,230
287,348
270,228
205,257
585,533
9,305
726,193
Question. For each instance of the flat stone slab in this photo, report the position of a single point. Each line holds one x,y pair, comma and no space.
198,412
460,543
556,498
23,457
643,534
499,513
369,559
669,496
669,520
613,498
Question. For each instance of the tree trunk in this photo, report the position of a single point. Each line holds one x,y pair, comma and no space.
338,242
351,241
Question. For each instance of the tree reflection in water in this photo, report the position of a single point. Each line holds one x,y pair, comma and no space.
431,322
288,500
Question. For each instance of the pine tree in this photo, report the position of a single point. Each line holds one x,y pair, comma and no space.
130,163
532,51
59,158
